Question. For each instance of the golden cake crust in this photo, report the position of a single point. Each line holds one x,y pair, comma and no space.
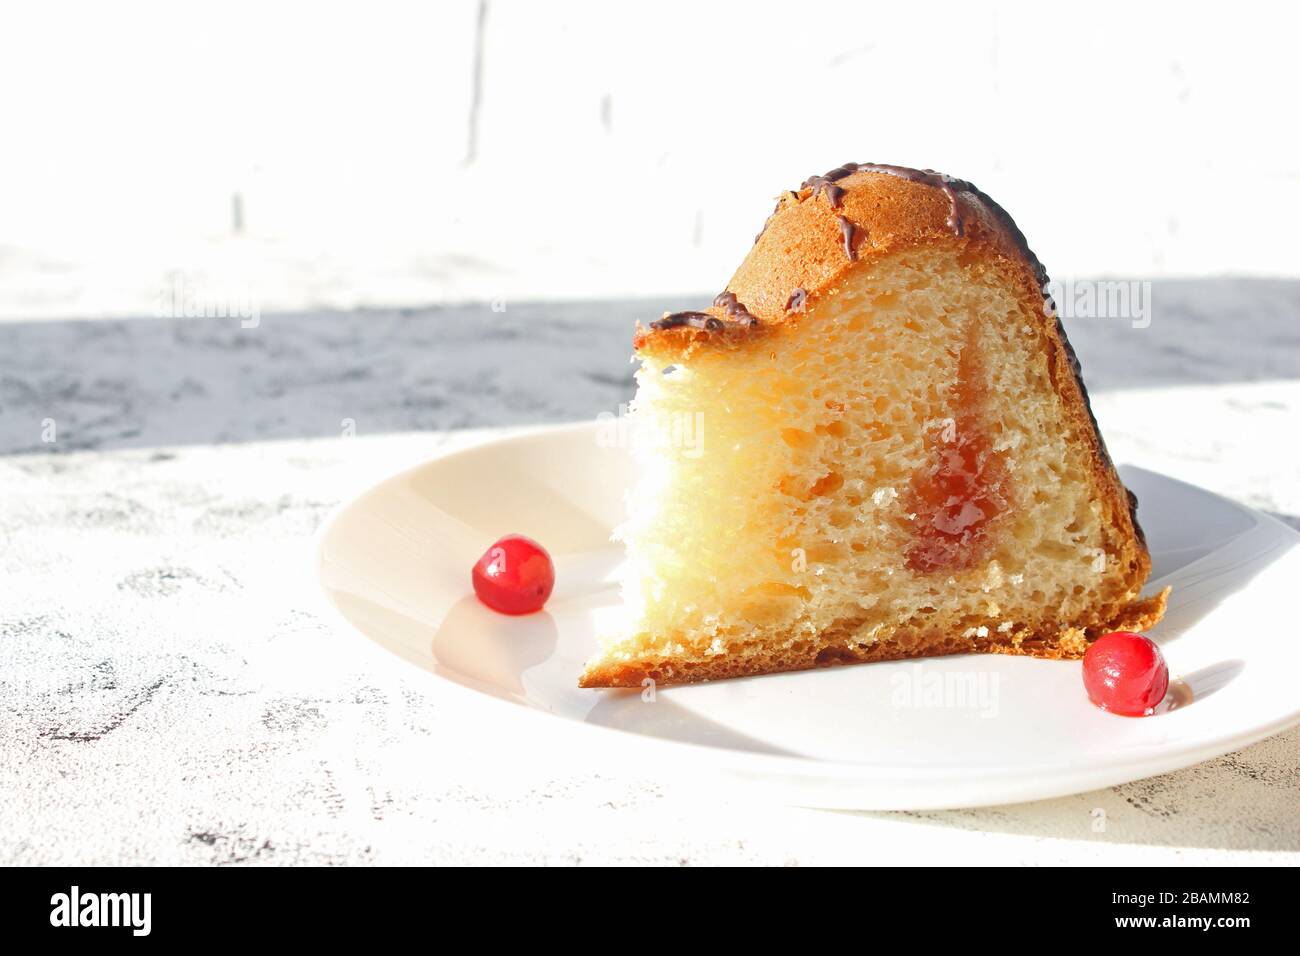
830,649
804,251
802,247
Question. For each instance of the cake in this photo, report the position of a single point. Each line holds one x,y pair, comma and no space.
875,444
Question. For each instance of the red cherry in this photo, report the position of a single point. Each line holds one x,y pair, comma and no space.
514,576
1125,673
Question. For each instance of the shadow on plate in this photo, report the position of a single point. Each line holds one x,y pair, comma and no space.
657,716
477,647
493,649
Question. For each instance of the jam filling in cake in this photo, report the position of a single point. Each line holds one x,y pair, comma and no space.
963,487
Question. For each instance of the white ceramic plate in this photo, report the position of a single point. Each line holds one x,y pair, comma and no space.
945,732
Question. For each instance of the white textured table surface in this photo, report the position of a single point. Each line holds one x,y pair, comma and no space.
173,690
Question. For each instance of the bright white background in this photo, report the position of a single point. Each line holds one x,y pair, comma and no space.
612,149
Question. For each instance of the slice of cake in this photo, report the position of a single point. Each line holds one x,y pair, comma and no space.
875,444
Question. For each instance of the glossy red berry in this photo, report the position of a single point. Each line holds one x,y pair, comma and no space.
1125,673
514,576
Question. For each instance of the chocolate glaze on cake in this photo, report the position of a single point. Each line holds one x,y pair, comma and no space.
735,310
847,229
928,177
694,320
950,187
740,316
825,185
